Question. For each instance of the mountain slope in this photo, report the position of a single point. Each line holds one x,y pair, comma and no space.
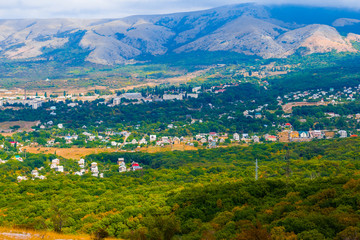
251,29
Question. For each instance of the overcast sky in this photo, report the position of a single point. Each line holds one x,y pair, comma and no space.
122,8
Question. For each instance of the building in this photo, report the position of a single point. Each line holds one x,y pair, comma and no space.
270,138
35,173
236,137
54,163
122,165
152,138
94,169
196,89
143,141
72,105
135,166
258,115
173,97
21,178
316,134
81,163
256,139
59,169
342,134
131,96
116,101
35,104
294,134
192,95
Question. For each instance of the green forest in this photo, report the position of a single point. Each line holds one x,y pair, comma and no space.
304,191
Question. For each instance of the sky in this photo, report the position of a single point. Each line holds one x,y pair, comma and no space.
18,9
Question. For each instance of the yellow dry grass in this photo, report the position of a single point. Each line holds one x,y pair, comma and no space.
24,126
73,153
174,147
288,107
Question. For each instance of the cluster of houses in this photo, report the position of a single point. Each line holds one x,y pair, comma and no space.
293,136
348,94
55,164
134,166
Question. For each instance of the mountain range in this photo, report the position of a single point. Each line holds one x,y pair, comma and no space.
252,29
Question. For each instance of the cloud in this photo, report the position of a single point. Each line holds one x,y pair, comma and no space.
122,8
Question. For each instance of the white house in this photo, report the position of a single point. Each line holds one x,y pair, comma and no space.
152,138
59,169
236,137
94,169
122,166
54,163
342,133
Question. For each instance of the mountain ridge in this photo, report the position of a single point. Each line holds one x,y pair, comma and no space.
249,28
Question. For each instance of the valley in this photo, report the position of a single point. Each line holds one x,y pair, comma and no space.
236,122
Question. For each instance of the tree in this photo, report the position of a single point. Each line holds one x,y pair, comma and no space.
256,232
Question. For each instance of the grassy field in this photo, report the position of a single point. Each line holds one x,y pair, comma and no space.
24,126
174,147
77,153
73,153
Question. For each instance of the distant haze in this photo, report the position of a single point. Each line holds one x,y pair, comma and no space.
19,9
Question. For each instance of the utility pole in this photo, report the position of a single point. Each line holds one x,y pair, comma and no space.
256,169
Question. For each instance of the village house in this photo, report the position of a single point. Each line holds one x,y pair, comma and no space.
122,166
35,173
316,134
152,138
81,163
294,134
143,141
342,134
135,167
270,138
21,178
236,137
18,158
304,134
59,169
94,169
258,115
116,101
54,163
255,139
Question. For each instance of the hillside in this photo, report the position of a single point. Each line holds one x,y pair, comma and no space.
252,29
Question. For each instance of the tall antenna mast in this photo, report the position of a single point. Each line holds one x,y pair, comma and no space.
256,169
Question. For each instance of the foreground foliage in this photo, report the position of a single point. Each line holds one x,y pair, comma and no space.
197,195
